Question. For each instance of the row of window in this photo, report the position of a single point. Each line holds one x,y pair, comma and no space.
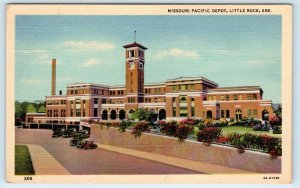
250,113
56,102
154,90
183,87
231,97
132,53
77,113
116,92
85,91
55,113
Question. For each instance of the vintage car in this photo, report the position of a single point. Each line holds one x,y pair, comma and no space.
67,133
89,145
57,133
74,142
86,144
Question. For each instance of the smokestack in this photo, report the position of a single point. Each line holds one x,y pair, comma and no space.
53,86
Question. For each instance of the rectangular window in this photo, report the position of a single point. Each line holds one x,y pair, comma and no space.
83,113
78,112
248,96
95,112
227,97
131,53
71,92
192,87
209,98
173,88
227,114
158,90
70,113
249,113
95,101
222,114
234,97
155,90
214,98
255,112
76,91
254,96
240,97
222,98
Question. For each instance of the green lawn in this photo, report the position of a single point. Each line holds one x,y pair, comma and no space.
242,130
23,163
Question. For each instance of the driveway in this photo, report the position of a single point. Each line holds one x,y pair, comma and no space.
98,161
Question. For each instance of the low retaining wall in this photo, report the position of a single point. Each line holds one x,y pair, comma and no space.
191,150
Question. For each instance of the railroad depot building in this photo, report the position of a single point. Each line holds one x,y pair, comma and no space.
176,98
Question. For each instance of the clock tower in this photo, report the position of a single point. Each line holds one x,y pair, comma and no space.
135,61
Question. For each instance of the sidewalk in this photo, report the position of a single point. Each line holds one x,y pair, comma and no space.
43,162
182,163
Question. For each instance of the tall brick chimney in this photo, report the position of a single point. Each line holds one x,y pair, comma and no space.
53,84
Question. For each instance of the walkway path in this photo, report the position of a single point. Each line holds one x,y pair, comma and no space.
43,162
182,163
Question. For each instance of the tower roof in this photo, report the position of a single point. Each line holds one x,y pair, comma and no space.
135,44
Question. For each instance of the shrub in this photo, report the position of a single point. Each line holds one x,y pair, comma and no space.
124,125
237,140
208,122
162,123
139,128
222,139
250,139
275,120
189,121
170,128
220,123
270,142
208,134
182,132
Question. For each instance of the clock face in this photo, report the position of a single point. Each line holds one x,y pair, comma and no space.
131,65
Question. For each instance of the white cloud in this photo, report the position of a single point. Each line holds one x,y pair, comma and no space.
176,52
31,81
89,45
90,63
38,54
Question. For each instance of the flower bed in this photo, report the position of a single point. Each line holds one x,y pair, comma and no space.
207,131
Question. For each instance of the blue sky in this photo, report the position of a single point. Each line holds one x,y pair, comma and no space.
230,50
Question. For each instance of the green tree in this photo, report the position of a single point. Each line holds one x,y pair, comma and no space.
18,109
42,109
142,115
30,108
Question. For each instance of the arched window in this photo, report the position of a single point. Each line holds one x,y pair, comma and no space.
121,114
162,114
113,115
209,114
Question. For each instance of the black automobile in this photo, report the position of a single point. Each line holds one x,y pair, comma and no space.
57,133
74,142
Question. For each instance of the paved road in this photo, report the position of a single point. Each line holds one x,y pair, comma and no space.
98,161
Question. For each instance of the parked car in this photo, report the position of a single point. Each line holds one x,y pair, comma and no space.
74,142
67,133
86,144
89,145
57,133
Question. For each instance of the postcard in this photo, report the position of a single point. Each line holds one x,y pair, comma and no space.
115,93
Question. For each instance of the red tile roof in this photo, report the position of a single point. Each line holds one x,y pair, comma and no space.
135,44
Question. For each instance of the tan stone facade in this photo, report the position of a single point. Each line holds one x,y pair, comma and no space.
176,98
